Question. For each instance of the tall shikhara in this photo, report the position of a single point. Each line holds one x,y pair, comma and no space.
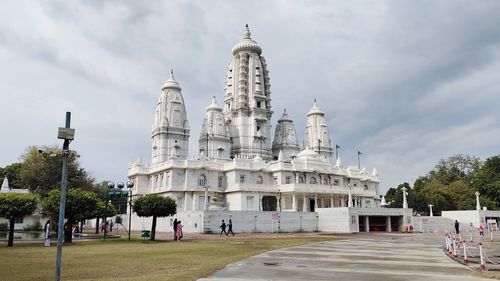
247,101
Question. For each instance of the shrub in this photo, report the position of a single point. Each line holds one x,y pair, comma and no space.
4,226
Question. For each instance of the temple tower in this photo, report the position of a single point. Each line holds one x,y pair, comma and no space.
285,138
316,134
170,132
247,100
214,141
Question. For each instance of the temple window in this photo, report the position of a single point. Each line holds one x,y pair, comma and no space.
242,179
258,104
202,180
260,180
313,180
301,180
288,179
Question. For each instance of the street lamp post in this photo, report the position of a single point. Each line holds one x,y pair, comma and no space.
111,186
130,185
67,134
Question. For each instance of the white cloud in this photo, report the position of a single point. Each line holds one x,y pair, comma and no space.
406,83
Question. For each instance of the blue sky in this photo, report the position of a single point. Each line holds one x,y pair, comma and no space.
405,82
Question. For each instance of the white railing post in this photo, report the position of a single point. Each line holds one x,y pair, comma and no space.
454,248
460,237
446,242
465,253
470,231
482,266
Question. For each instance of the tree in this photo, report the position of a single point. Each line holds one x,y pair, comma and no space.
155,206
80,205
41,172
16,205
457,167
102,212
13,173
487,180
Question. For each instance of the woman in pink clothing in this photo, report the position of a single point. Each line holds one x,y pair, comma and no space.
179,231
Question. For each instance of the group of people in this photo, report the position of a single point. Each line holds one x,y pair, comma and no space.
229,228
457,228
177,230
107,225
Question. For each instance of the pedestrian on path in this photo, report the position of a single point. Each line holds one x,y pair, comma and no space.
47,233
222,228
457,227
230,227
175,229
179,231
481,230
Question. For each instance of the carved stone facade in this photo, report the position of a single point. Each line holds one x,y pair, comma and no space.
239,167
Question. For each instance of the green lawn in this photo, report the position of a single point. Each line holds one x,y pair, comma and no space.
135,260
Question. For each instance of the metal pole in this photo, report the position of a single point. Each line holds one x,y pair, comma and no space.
62,203
106,213
130,212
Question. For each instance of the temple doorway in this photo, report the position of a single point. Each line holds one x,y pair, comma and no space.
269,203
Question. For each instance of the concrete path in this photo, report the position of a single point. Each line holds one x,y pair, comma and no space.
364,257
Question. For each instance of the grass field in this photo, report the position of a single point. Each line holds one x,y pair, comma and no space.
135,260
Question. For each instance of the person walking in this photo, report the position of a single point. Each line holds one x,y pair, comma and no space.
46,232
179,231
230,227
222,228
111,224
481,230
175,229
457,227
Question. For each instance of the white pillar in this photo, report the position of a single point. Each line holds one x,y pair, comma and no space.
367,224
388,228
294,202
405,204
331,202
206,198
304,204
349,203
478,206
430,206
315,201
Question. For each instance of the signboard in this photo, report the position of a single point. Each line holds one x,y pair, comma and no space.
491,221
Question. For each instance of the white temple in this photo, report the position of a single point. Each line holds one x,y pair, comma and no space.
239,166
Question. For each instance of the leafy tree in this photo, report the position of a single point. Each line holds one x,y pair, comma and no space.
41,172
487,180
80,205
16,205
13,173
155,206
102,212
457,167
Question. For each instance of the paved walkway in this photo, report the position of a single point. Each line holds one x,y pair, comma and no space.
364,257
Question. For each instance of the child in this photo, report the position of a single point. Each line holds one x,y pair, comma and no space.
481,230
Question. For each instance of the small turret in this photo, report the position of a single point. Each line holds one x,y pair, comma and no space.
214,140
285,138
316,134
170,131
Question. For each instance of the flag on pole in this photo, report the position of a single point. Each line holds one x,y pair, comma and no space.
337,146
359,152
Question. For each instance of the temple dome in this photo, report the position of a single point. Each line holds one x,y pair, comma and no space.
171,83
315,110
213,105
307,154
247,44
